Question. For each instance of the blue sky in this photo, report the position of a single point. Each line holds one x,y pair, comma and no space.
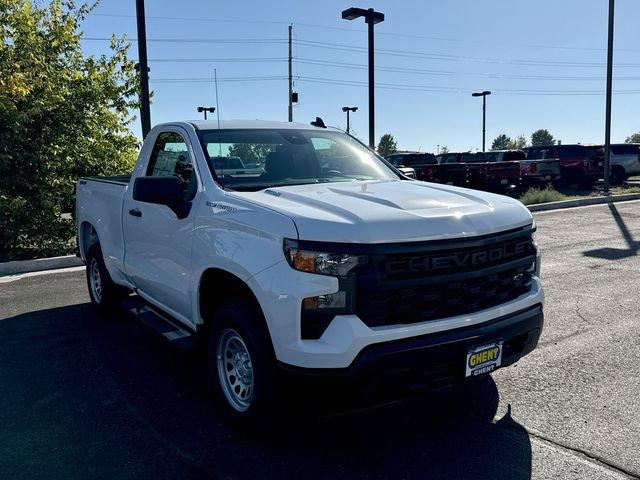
544,61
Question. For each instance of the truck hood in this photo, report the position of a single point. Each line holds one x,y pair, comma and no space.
390,211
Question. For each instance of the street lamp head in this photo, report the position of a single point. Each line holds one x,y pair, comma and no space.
370,15
206,109
349,109
481,94
353,13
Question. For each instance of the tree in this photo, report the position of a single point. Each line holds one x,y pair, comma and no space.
633,138
387,145
501,142
62,115
517,143
252,154
542,137
444,149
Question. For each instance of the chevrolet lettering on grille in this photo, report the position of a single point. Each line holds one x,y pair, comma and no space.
459,260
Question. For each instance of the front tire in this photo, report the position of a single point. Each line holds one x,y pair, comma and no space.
240,361
103,292
618,176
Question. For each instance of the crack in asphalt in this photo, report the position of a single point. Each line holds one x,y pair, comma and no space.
585,455
508,423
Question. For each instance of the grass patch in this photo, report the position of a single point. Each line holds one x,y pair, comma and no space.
550,194
536,195
624,189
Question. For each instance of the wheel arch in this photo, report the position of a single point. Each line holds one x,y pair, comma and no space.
216,286
88,236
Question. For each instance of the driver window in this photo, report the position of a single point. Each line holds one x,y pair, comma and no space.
170,156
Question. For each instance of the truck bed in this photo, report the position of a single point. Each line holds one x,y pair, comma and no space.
117,179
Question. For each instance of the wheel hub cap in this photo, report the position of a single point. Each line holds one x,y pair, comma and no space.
235,370
95,280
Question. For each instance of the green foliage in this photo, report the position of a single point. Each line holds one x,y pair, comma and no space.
444,149
501,142
517,143
633,138
542,137
252,154
62,116
505,142
387,145
536,195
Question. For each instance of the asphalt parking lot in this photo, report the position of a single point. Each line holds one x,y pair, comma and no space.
81,397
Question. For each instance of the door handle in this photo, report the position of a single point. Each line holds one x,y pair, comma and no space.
135,212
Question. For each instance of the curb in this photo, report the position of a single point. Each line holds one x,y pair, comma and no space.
581,202
39,264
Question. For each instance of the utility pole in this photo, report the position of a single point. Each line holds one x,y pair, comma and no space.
348,110
371,17
484,114
143,67
607,124
290,76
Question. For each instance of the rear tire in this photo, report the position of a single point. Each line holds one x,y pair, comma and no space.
103,292
241,362
618,176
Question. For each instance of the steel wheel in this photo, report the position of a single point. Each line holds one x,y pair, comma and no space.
235,370
95,280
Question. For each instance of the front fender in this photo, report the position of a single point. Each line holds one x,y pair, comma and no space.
238,237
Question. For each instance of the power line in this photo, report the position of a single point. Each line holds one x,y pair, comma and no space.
357,30
451,73
221,60
448,57
441,89
198,40
195,19
392,86
382,68
379,51
220,79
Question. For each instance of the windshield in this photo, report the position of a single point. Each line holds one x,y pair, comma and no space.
255,159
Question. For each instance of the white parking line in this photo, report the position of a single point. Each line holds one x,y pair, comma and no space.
19,276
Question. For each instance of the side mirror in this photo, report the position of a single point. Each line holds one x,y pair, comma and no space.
160,190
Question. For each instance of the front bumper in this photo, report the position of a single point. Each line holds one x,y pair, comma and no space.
430,362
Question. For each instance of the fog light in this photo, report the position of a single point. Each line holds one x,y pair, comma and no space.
331,300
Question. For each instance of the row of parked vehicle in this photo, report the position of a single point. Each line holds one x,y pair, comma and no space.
559,165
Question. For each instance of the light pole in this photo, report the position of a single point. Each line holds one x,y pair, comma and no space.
205,110
371,17
349,109
484,113
607,121
145,113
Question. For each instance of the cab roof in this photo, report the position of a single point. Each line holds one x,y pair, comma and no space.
212,124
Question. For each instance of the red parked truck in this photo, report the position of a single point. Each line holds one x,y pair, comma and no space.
533,173
479,172
580,165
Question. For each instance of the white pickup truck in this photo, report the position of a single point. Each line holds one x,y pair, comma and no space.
292,252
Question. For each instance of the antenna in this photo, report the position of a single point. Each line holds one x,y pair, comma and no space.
215,77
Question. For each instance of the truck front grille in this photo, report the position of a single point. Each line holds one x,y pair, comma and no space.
445,279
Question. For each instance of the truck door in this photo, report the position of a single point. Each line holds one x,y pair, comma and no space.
158,242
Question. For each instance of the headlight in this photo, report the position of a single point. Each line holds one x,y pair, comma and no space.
318,311
322,263
535,246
